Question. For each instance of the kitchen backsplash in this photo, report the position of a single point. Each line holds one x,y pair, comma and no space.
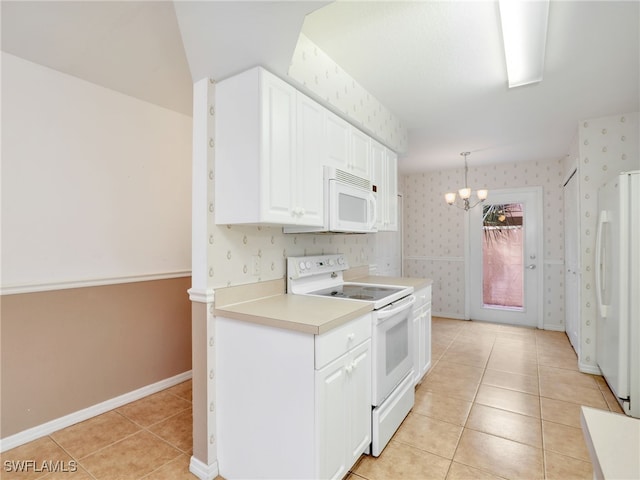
319,75
607,146
434,232
234,247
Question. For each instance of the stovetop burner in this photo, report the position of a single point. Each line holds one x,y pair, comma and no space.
357,292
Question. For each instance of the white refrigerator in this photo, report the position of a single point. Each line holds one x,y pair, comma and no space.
618,288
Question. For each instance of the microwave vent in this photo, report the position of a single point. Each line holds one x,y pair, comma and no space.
351,179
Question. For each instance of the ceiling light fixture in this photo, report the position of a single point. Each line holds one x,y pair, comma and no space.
524,33
465,193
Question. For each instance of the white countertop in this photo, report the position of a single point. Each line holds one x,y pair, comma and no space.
266,303
315,315
613,440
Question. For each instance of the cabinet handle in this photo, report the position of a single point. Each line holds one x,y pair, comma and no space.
349,368
351,336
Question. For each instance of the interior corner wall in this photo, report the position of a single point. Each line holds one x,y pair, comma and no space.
434,232
321,77
96,213
607,146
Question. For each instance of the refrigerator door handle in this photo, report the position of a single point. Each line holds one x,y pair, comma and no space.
601,266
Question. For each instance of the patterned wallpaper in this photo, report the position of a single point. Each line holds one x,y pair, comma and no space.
434,232
607,146
232,248
320,76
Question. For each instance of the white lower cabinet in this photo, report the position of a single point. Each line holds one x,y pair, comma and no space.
344,426
292,405
422,333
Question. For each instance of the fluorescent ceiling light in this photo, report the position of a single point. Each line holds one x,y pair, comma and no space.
524,32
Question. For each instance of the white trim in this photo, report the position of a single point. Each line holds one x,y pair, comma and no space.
467,265
554,327
455,316
592,369
39,431
202,470
201,296
436,259
94,282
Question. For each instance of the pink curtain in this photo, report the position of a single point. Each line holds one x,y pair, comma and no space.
502,267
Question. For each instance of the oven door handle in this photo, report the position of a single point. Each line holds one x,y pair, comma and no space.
396,307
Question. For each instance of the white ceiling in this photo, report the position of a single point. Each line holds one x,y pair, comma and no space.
131,47
439,66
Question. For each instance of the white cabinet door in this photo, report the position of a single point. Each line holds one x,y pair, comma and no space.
279,115
422,332
343,412
378,177
360,153
417,310
331,418
384,173
392,191
347,148
425,340
337,140
359,401
309,206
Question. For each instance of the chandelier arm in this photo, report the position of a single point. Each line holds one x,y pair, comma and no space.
477,203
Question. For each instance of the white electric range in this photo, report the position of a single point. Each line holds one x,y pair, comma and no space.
392,357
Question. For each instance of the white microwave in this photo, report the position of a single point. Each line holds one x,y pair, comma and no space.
349,205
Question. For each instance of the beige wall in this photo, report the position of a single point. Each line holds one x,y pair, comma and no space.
96,219
65,350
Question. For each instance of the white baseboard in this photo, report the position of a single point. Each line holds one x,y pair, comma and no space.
592,369
39,431
553,327
455,316
202,470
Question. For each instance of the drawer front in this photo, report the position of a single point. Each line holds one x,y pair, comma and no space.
340,340
423,297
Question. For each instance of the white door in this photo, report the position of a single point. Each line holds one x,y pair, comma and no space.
572,262
505,258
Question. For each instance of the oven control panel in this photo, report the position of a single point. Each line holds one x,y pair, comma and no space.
298,267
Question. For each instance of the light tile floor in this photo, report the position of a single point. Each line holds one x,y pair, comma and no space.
499,402
149,439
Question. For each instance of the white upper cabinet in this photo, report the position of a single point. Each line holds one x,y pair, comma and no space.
360,153
310,154
338,142
268,151
384,171
348,148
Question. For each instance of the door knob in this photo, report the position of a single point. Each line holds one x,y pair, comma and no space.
532,266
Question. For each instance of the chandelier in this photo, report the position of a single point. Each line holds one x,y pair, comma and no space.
465,193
